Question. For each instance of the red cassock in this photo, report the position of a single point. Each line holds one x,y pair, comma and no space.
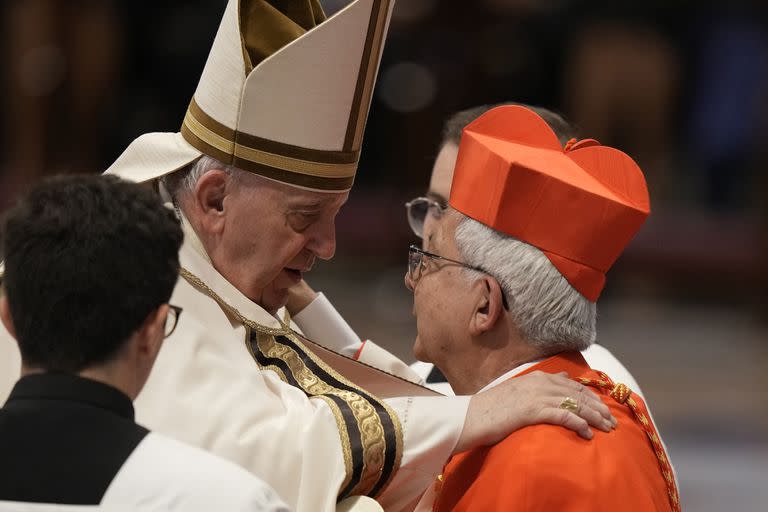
549,468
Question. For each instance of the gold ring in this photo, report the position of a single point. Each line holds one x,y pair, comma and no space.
569,404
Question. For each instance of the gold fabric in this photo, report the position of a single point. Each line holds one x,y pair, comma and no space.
319,169
268,25
371,433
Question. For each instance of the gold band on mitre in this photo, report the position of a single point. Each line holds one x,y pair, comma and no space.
311,168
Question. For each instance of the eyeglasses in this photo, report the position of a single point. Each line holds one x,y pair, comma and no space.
172,319
416,265
417,213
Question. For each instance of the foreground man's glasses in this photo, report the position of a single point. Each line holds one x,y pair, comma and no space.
172,320
416,265
417,213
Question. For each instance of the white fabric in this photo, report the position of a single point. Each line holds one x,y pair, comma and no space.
320,322
597,356
423,370
221,83
10,360
359,504
295,87
164,475
153,155
600,358
10,364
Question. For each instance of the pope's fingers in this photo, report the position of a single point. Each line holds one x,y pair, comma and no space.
585,397
589,399
596,414
567,419
300,296
560,385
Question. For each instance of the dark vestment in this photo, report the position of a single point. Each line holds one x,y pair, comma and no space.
63,439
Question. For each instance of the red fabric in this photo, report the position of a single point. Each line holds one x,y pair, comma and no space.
548,468
622,394
581,205
359,351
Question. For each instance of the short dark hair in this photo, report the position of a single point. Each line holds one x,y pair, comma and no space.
457,122
87,258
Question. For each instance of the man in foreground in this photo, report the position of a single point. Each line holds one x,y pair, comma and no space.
265,158
507,285
91,262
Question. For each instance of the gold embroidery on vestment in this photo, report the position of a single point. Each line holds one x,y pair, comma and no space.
367,419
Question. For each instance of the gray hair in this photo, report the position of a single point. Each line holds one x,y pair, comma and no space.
549,312
184,180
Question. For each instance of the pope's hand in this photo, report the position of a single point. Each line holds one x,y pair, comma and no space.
299,297
529,400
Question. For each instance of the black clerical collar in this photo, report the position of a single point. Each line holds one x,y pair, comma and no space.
62,386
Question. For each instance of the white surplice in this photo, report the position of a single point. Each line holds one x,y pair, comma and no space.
165,475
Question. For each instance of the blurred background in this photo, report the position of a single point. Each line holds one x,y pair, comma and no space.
680,86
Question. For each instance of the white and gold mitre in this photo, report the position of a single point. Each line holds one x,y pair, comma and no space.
284,94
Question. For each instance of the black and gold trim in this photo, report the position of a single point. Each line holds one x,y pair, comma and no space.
366,77
370,427
311,168
370,432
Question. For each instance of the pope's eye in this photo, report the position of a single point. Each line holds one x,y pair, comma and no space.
300,221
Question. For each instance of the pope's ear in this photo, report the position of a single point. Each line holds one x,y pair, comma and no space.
209,194
488,305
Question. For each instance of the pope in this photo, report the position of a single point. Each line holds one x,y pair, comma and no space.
265,158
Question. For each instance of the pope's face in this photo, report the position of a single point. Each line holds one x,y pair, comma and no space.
272,235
